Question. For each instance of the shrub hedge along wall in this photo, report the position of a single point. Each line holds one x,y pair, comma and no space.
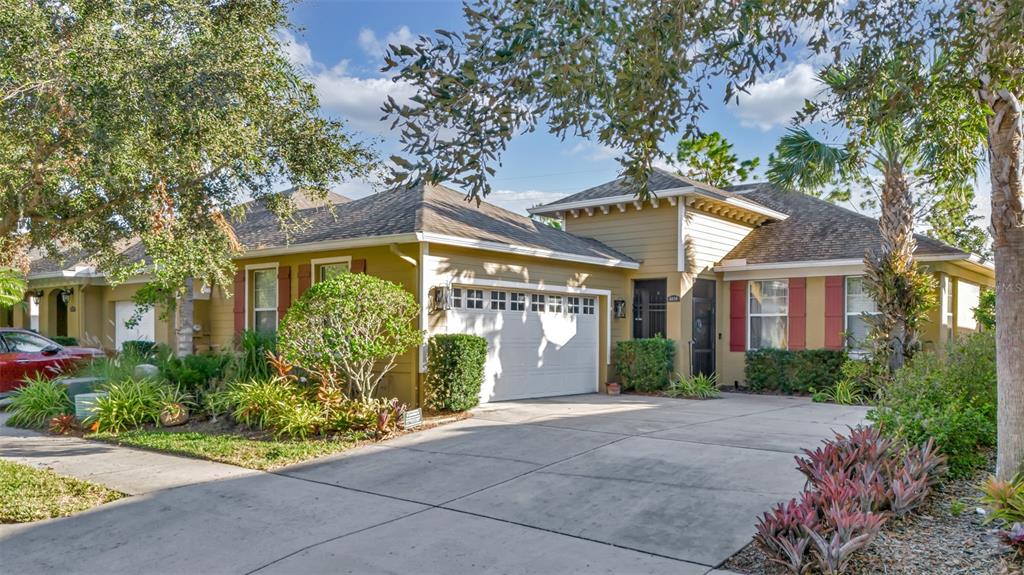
455,371
644,364
795,371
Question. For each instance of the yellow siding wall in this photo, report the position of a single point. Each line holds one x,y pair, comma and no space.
649,234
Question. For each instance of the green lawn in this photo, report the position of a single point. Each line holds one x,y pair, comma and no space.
226,448
30,494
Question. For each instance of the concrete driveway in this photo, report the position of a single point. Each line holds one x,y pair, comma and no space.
582,484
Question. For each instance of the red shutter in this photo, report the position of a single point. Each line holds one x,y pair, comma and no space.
737,316
239,301
359,266
834,305
305,277
797,313
284,290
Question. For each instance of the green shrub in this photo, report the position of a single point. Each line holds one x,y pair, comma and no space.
257,401
195,375
251,360
455,371
64,340
644,364
793,371
138,348
117,368
349,330
39,401
950,397
985,313
693,387
129,404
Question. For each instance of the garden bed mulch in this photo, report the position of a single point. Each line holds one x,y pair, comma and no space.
931,541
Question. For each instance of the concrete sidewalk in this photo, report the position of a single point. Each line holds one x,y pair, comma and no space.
130,471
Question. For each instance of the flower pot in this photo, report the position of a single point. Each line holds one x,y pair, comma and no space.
614,389
173,415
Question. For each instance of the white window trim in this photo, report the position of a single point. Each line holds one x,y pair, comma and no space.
947,324
315,263
248,272
846,306
750,285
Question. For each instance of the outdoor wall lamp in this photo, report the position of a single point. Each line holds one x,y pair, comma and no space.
620,308
37,296
65,295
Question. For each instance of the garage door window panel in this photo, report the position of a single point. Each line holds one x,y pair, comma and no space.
537,302
588,306
498,300
555,304
768,314
474,299
573,305
517,302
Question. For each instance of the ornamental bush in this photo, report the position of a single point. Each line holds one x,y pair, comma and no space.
950,397
64,340
350,330
793,371
455,371
644,364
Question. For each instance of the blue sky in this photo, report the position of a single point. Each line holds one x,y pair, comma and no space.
340,44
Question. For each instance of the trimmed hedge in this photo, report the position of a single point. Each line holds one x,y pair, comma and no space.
455,371
644,364
794,371
64,340
138,347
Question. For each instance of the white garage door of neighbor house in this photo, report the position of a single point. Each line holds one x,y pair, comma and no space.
538,344
144,330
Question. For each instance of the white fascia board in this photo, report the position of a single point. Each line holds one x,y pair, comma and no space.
667,193
363,242
524,250
847,262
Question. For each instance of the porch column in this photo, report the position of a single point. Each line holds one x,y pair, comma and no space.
185,321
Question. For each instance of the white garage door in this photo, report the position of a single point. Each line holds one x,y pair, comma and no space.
145,329
538,344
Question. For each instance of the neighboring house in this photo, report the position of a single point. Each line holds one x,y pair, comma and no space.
719,272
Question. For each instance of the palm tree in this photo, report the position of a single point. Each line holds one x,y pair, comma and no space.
902,293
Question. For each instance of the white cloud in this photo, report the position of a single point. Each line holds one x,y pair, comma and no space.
376,47
595,152
773,102
357,100
520,201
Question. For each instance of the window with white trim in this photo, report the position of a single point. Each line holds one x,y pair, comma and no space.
767,315
456,297
517,301
572,305
328,271
948,317
264,310
858,303
536,302
498,300
588,306
555,304
475,299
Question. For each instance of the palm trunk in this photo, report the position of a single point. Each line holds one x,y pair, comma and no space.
1006,151
889,271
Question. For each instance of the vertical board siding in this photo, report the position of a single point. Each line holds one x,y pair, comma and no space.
737,316
284,290
711,238
835,294
305,278
239,303
797,313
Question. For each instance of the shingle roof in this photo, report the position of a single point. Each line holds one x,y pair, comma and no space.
814,230
659,180
424,208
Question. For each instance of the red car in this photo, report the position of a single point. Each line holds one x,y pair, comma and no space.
24,353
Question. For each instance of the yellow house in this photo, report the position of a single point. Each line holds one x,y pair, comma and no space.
718,272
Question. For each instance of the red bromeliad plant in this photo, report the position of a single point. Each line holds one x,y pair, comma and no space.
853,483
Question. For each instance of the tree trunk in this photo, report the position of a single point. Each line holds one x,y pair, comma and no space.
1006,152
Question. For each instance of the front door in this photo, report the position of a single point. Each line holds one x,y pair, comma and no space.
649,297
703,346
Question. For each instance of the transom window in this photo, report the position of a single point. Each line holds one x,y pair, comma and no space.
518,302
588,306
573,304
858,303
768,314
536,302
555,304
475,299
498,300
264,290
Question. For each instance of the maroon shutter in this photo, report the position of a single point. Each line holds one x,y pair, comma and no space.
305,278
359,266
239,301
797,313
834,305
737,316
284,290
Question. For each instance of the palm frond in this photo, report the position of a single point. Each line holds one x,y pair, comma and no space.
804,163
